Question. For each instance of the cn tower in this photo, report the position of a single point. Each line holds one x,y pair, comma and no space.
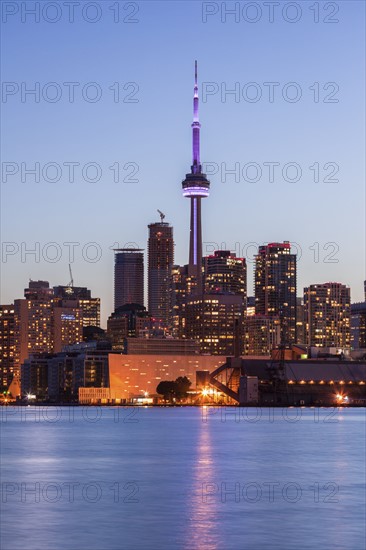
195,187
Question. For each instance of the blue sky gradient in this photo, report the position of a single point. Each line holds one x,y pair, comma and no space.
158,54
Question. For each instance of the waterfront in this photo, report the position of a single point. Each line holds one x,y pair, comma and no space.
182,478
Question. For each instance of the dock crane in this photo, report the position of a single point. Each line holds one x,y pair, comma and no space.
71,283
162,216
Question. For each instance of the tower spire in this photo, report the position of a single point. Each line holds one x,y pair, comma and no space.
196,164
196,187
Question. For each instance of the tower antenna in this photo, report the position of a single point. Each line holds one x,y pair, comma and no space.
196,125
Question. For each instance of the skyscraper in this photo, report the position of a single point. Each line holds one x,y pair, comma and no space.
327,315
262,334
211,320
43,323
195,187
225,273
7,345
182,286
89,306
358,325
66,325
128,277
33,318
275,286
160,263
127,320
300,321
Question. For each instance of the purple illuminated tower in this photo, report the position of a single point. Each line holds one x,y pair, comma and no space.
196,186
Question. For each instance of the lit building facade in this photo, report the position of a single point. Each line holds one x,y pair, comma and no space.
250,305
130,320
161,346
275,287
160,263
33,318
7,345
90,306
182,285
262,334
327,315
212,319
225,273
58,377
67,324
132,375
358,325
128,277
43,323
300,321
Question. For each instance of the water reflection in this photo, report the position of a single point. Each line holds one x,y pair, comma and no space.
183,468
203,509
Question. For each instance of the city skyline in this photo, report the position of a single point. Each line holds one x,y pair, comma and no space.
233,133
183,374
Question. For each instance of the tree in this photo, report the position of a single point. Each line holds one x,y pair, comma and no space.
167,389
177,388
182,386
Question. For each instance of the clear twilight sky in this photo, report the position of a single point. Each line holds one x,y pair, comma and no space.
157,52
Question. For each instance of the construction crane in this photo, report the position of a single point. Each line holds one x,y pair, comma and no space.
71,283
162,216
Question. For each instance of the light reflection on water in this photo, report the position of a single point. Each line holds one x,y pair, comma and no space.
174,481
203,532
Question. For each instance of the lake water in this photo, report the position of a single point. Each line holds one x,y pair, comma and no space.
182,478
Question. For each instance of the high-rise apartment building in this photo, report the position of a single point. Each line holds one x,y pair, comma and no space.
327,315
275,287
7,345
43,323
66,324
160,263
262,334
182,286
130,320
128,277
225,273
90,306
300,321
250,305
33,317
358,325
211,320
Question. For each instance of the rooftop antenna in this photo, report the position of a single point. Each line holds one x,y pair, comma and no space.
162,216
71,283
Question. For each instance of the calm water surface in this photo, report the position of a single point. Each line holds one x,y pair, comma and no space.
182,478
